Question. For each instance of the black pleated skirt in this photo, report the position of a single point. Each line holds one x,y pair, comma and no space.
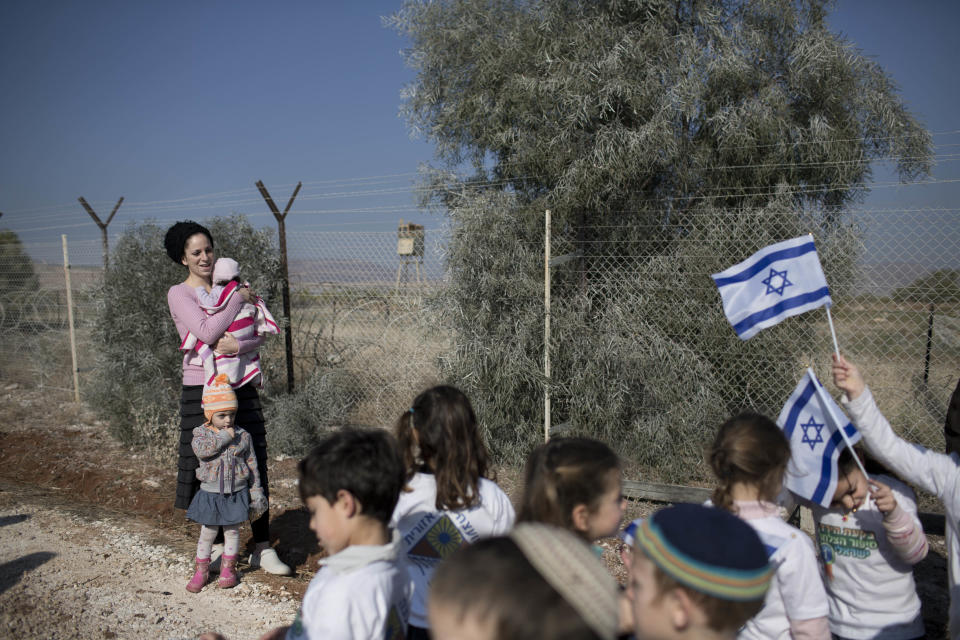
249,416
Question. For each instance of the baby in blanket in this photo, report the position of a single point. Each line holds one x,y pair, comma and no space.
253,319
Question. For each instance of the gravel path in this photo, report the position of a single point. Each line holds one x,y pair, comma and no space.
78,572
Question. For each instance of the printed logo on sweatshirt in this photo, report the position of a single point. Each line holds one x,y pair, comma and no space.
439,541
843,541
826,555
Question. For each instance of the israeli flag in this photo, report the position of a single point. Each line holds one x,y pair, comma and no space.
811,420
779,281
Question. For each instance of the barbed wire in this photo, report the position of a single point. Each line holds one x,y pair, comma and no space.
142,206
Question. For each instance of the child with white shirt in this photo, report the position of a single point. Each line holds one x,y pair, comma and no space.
350,483
936,473
697,573
868,546
749,457
538,581
575,483
449,500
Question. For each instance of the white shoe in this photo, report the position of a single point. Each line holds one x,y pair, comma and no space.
268,560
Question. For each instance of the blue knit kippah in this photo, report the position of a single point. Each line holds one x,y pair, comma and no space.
706,549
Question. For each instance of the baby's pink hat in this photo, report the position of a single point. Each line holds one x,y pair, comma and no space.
225,269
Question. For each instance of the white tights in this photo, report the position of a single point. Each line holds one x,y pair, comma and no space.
231,540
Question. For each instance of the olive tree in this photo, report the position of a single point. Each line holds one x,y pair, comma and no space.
687,134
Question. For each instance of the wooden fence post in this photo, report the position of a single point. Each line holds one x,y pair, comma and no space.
73,337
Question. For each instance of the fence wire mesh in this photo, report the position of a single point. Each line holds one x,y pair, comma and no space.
360,307
34,315
895,284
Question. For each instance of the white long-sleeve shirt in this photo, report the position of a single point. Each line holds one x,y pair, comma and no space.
359,593
935,473
430,535
869,584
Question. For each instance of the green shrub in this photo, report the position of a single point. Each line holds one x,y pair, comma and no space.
16,267
137,370
297,421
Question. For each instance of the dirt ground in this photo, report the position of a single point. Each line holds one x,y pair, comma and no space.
91,547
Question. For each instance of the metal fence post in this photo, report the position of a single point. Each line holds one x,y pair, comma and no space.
282,231
546,326
103,227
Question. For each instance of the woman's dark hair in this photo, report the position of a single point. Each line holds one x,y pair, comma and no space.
749,448
493,581
175,242
449,444
564,473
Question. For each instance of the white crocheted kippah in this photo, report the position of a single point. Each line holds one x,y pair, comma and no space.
571,567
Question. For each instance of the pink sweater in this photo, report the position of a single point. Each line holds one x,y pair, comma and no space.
188,316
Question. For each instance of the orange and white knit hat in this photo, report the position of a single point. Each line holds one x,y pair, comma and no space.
219,396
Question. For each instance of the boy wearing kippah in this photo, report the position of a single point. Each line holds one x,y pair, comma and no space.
538,581
697,572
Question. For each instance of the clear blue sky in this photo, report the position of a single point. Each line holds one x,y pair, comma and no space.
170,103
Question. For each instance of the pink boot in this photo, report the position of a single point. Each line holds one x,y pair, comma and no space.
228,572
200,577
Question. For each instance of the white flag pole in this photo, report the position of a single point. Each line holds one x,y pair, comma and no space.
822,395
833,332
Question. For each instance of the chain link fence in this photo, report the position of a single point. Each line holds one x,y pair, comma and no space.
361,307
895,285
34,315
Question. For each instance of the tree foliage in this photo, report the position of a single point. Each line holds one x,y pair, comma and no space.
625,108
685,133
16,268
321,403
137,376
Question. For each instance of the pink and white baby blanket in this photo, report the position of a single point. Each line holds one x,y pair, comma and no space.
252,320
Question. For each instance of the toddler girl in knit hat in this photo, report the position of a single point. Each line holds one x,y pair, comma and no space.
230,490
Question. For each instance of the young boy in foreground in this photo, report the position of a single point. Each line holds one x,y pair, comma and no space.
696,572
350,484
539,581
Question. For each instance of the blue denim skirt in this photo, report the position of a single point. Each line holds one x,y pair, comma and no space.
215,509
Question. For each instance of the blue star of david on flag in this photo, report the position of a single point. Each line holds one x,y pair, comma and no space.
784,283
812,424
811,417
745,288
